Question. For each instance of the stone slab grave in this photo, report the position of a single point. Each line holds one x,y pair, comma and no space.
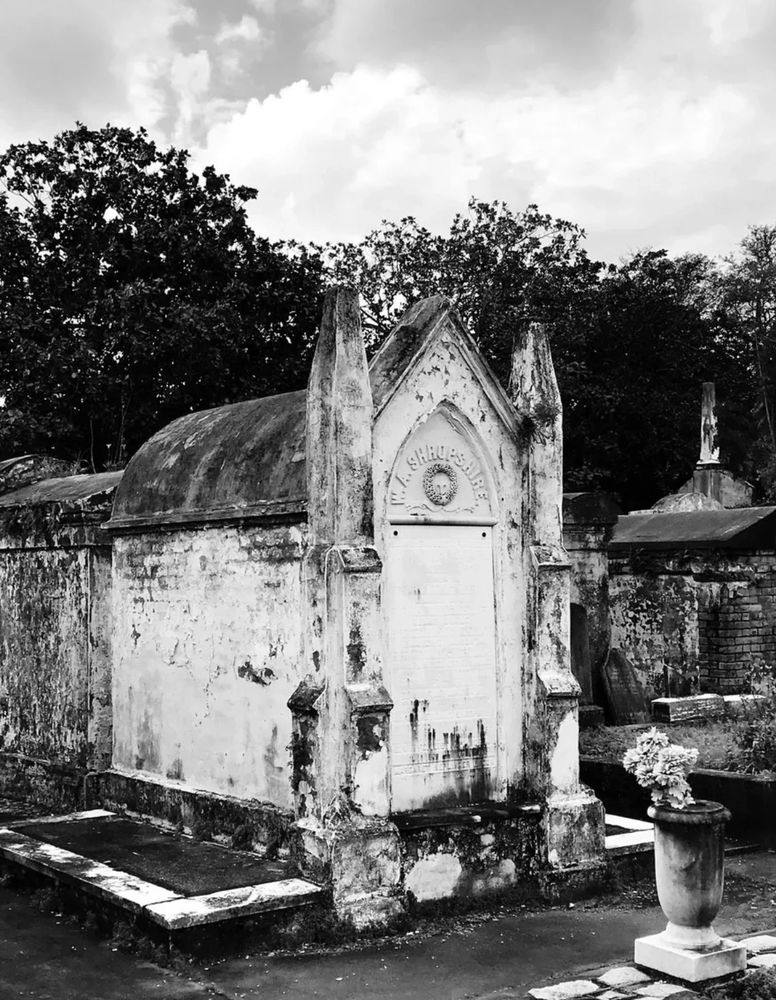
168,878
628,702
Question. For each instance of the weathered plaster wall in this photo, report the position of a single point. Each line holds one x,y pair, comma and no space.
588,520
208,648
445,378
55,709
590,591
702,621
655,624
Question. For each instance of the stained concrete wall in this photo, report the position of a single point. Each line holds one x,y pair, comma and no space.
588,520
207,653
445,377
55,710
705,621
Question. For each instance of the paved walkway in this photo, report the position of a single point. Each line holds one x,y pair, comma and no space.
45,958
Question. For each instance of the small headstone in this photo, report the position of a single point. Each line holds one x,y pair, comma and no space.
624,975
628,702
590,716
696,706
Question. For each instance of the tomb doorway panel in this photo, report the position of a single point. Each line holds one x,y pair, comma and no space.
441,622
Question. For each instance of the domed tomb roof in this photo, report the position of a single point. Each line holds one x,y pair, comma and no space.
247,460
231,462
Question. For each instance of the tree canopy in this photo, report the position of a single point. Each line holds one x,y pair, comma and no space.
133,290
632,342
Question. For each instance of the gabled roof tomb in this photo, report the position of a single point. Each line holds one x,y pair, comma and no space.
247,460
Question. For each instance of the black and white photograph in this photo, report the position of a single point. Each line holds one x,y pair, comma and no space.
388,499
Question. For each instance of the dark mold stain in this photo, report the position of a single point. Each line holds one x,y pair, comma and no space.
356,651
175,771
370,734
263,676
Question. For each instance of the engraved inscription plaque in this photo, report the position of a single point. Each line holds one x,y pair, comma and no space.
439,475
441,631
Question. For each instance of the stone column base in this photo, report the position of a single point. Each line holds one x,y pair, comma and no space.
360,858
573,827
658,952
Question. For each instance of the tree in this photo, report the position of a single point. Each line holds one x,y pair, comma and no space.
642,340
498,266
631,342
747,306
133,290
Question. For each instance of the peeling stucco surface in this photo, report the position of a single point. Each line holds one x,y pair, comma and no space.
207,639
55,707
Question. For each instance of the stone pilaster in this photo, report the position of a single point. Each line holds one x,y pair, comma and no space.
341,710
572,816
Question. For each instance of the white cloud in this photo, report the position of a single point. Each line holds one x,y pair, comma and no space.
641,166
247,29
190,80
80,60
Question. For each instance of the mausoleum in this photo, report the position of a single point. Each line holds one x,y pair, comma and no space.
341,616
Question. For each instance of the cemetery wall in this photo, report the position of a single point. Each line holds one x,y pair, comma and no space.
55,708
702,621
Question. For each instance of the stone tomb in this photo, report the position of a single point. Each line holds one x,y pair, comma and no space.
350,605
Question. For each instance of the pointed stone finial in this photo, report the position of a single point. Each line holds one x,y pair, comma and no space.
709,433
532,383
339,427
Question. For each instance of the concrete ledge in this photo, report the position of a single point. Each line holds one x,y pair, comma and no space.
193,911
172,805
750,798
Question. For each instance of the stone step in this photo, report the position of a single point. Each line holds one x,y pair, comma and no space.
628,836
166,878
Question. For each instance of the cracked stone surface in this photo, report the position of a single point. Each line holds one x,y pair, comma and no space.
623,975
565,991
660,990
761,942
762,961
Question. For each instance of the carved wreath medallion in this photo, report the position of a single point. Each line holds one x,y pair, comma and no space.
440,483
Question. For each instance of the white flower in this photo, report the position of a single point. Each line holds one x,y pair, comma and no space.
662,767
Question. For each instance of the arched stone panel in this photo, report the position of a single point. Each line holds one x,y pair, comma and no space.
440,615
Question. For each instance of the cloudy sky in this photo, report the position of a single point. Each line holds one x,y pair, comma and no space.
648,122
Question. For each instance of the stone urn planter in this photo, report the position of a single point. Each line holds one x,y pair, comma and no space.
690,877
689,865
690,870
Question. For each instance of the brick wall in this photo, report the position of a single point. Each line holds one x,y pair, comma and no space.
738,630
700,619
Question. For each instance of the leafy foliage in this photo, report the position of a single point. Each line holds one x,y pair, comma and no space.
132,291
632,343
759,984
747,308
757,742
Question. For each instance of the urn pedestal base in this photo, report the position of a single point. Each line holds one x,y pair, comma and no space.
662,954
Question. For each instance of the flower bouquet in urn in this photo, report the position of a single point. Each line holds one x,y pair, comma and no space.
662,767
689,865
